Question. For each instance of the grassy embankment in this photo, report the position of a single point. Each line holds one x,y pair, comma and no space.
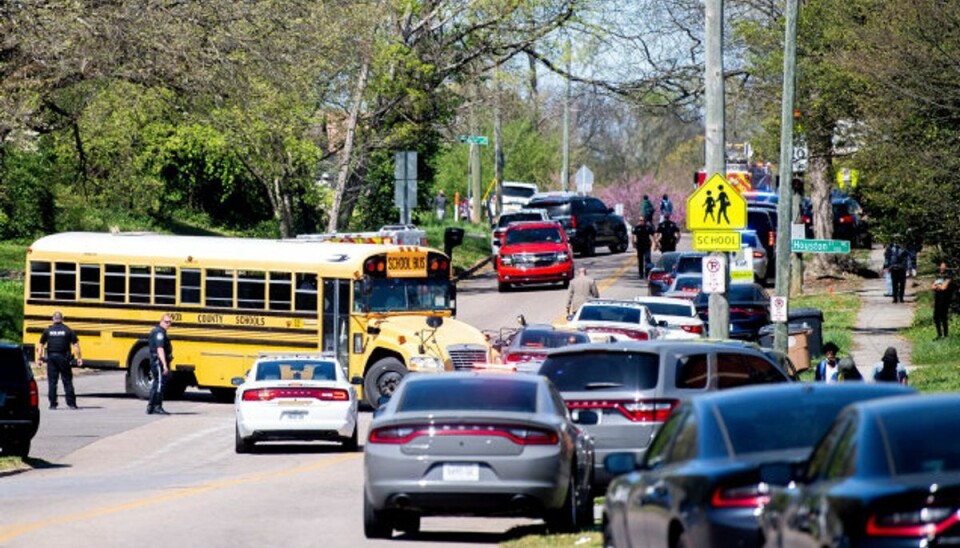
940,360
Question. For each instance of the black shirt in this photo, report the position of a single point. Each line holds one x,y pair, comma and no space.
669,232
158,338
643,233
58,338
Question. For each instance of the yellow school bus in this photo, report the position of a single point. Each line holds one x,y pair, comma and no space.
384,310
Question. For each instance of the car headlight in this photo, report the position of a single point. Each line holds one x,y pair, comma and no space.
563,256
506,259
425,364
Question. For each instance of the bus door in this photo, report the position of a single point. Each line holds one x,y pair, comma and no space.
336,315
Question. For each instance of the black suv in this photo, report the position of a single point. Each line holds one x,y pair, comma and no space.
19,402
587,221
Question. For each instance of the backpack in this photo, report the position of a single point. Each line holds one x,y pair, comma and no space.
898,258
666,207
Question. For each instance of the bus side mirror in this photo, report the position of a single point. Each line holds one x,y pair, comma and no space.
452,237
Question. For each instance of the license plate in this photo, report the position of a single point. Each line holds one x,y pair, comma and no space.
293,415
461,472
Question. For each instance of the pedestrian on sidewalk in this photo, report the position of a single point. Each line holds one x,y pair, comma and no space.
942,296
582,289
55,350
895,260
889,368
847,370
646,209
643,238
827,370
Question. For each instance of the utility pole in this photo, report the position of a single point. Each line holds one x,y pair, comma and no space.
565,168
719,311
497,146
784,207
476,184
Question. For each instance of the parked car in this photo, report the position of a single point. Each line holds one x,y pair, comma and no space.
749,238
685,286
516,195
699,483
496,236
533,342
620,320
749,310
886,473
19,402
850,222
534,252
660,276
475,444
689,262
681,317
295,397
763,221
587,221
621,392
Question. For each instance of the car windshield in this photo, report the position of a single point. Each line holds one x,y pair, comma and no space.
534,235
688,282
749,239
470,394
12,367
670,309
296,370
667,260
402,294
690,265
554,208
518,191
606,313
589,371
550,339
743,292
911,447
506,219
797,426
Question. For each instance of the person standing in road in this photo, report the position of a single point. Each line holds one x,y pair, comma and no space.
895,262
942,296
668,235
666,207
161,353
889,368
440,205
646,209
643,236
582,289
55,344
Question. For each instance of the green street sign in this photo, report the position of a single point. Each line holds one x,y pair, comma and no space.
474,139
819,246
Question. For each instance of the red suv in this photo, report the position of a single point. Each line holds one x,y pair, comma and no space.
534,252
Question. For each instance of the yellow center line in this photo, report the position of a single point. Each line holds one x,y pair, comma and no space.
9,532
604,284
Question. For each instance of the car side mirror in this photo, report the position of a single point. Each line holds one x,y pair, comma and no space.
618,464
357,380
569,317
609,210
236,381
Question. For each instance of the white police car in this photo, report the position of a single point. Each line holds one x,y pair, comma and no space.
295,397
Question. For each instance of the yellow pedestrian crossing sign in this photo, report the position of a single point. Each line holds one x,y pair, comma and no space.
716,206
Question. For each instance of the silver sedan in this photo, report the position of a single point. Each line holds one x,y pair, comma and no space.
475,444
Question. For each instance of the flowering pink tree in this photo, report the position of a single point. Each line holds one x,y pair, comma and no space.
629,191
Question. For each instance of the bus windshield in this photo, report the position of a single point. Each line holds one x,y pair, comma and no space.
402,295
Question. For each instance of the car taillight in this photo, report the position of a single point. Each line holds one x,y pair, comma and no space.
656,276
398,435
805,219
771,238
757,254
692,328
522,357
748,496
268,394
34,394
926,522
573,221
845,220
747,311
635,410
629,333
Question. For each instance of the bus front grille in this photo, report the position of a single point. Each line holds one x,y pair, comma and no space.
463,356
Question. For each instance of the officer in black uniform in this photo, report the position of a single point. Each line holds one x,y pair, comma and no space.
668,234
55,343
161,352
643,241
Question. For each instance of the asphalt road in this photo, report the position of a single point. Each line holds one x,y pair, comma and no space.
110,475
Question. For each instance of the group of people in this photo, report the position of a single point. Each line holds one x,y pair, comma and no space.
59,350
646,237
831,369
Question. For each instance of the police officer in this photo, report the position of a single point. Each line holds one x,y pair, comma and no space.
161,352
55,343
643,236
668,234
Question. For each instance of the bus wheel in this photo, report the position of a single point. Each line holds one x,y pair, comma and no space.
138,374
382,379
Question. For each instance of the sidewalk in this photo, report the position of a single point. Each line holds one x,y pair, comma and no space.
880,320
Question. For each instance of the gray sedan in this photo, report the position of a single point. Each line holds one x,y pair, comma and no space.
475,444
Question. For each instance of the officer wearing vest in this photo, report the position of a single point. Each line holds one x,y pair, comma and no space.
54,349
161,352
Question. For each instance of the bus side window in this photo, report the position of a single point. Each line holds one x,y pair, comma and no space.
306,293
251,289
65,282
90,281
164,285
219,284
280,291
189,286
139,284
115,283
39,280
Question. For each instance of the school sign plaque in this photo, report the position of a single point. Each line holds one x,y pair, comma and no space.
715,211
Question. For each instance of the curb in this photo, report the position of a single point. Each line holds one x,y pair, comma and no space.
470,271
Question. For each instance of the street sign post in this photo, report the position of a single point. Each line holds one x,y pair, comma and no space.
778,309
474,139
820,246
405,183
715,205
714,270
716,240
741,267
584,180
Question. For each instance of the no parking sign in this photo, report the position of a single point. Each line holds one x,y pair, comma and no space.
714,274
778,308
